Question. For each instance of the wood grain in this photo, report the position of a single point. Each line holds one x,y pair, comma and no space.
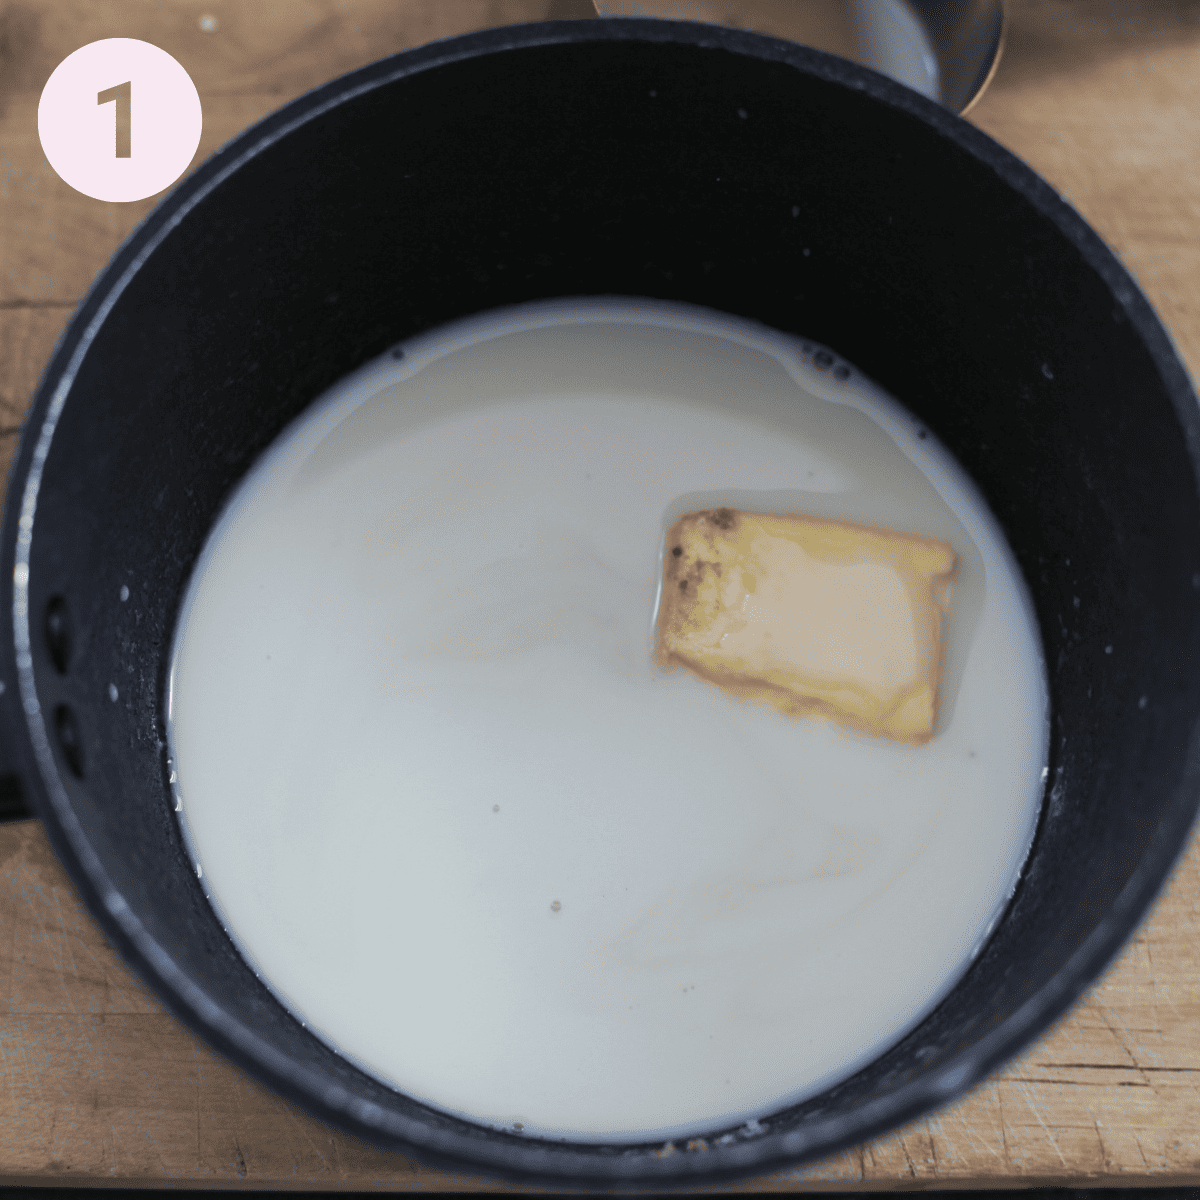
99,1085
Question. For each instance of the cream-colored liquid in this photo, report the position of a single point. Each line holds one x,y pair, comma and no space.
467,830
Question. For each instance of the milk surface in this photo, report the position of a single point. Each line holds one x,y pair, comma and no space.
470,834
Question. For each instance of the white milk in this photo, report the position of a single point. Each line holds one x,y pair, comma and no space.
452,812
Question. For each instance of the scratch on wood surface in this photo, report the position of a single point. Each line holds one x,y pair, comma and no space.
32,1077
1117,1037
1033,1108
116,999
64,938
1137,1141
12,305
962,1126
1154,984
912,1167
33,889
1121,1041
97,956
1091,1066
1085,1083
148,1139
1003,1129
304,1133
109,1159
1104,1159
12,1079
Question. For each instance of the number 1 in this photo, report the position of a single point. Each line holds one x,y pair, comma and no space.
123,95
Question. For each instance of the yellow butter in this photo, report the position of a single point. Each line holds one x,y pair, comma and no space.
809,615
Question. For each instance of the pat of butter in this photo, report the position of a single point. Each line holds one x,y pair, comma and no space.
811,616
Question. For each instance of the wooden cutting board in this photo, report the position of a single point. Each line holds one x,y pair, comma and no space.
99,1085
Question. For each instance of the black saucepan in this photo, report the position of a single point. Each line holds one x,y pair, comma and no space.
667,160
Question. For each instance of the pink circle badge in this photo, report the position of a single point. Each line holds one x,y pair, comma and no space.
119,119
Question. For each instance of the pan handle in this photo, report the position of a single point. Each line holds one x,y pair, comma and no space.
12,799
13,804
